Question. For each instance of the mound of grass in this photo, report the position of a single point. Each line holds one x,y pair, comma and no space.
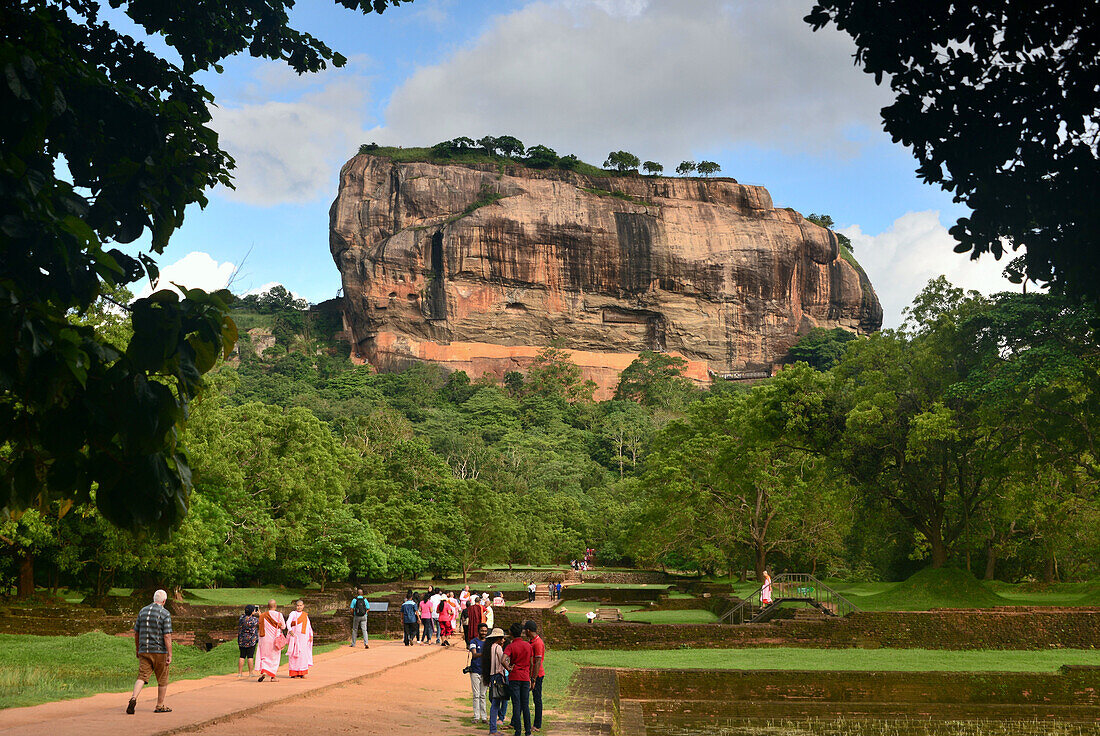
945,587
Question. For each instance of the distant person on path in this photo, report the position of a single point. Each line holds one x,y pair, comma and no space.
538,657
487,611
766,590
557,591
271,630
498,599
435,599
153,646
409,618
591,616
477,684
517,660
360,607
494,677
299,651
426,620
248,633
531,592
464,597
474,617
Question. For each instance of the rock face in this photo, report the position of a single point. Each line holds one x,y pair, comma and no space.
477,267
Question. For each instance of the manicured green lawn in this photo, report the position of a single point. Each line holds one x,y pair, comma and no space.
242,596
39,669
575,611
560,665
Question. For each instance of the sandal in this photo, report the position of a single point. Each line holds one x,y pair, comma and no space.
261,679
162,709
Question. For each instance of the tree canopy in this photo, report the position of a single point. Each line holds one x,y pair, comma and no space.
998,101
101,141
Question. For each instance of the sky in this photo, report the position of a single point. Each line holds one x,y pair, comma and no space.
745,83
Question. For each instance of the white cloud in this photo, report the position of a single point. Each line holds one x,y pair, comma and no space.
290,150
900,261
196,270
662,79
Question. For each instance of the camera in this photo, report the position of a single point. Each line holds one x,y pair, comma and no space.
466,670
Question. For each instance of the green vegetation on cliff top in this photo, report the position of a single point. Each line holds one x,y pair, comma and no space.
473,156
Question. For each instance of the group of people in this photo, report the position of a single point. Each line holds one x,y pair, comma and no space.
267,633
436,613
507,669
264,633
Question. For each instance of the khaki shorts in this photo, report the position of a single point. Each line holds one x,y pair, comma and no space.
153,663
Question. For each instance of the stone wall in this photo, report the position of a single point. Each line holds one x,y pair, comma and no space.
1005,628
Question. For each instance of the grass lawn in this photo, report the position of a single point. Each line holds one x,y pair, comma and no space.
40,669
616,586
560,665
241,596
576,614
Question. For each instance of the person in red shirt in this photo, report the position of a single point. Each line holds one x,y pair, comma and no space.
538,657
517,660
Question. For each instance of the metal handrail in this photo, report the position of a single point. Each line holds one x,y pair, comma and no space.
795,586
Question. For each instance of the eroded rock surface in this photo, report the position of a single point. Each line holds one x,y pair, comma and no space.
479,267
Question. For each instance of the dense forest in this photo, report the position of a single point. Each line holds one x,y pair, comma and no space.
966,437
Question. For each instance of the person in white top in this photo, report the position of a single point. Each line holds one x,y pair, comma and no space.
498,599
464,597
488,613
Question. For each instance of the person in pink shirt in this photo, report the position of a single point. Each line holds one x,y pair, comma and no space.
425,620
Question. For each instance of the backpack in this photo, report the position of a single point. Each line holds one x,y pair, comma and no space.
360,607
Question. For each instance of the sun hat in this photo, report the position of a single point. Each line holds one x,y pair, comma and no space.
497,633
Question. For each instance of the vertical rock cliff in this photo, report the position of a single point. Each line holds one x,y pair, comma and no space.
477,267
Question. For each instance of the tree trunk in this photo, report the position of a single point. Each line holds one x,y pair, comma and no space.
939,549
1048,571
990,562
26,576
761,562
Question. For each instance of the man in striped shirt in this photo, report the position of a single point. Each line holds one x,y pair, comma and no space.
153,641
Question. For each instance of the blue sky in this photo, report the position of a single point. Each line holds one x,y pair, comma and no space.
745,83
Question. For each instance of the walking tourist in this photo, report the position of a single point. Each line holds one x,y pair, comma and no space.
248,633
531,592
409,618
299,651
766,590
498,598
360,607
517,660
153,645
538,657
464,597
487,611
477,684
436,598
557,591
493,674
474,617
446,616
271,642
425,636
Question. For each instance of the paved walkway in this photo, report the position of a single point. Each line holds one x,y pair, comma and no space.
200,703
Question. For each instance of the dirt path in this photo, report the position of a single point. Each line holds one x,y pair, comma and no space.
425,696
386,689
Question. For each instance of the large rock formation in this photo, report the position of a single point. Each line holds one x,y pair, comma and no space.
479,267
